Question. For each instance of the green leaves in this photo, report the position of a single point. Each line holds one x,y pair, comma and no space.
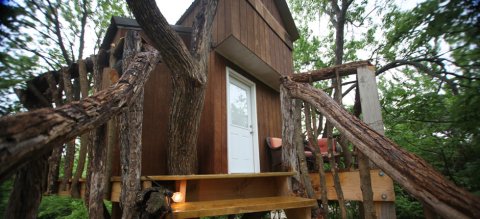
38,36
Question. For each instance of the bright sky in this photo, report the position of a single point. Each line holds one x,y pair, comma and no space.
172,10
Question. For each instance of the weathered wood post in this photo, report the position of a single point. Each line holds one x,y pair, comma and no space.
372,116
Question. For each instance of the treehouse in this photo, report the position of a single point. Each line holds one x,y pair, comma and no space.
246,131
251,50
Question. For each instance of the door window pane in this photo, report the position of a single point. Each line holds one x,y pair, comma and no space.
238,105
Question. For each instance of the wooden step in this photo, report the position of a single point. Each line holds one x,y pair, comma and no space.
239,206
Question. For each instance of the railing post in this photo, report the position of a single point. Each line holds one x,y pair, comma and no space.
372,116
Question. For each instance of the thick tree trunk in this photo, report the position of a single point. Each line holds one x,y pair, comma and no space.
29,185
409,170
85,140
26,136
131,138
290,160
189,78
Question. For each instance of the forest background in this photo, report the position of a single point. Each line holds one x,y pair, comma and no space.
426,53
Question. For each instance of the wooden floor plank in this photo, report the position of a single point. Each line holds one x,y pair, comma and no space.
238,206
211,176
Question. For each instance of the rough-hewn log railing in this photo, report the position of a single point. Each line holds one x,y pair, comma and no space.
31,134
409,170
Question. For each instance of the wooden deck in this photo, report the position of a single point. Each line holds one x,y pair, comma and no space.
239,206
222,194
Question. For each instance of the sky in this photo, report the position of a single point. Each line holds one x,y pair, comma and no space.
172,10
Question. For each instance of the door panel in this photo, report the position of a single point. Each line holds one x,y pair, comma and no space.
241,134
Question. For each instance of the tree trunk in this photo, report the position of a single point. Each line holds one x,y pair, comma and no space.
289,150
131,138
336,84
410,171
312,139
189,77
26,136
29,185
364,169
54,159
85,140
70,149
97,165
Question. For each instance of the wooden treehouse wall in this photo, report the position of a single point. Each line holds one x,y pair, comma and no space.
257,36
262,33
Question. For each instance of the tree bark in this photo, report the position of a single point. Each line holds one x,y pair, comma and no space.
289,150
328,73
131,138
336,83
70,149
189,77
364,170
54,159
85,140
29,185
312,139
96,175
409,170
28,135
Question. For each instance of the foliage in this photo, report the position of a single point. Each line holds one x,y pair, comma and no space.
61,207
39,36
5,188
430,101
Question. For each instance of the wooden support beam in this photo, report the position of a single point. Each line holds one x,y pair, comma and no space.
372,116
350,181
329,73
181,187
241,206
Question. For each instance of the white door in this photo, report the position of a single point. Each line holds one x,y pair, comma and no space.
242,135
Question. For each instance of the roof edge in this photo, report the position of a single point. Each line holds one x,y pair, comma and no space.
287,19
128,23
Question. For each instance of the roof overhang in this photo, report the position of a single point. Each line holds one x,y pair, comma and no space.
232,49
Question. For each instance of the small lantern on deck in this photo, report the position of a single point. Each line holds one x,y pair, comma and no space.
177,197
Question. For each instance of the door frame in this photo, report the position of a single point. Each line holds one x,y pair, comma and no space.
253,98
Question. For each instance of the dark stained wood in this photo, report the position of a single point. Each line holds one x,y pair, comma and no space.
221,20
243,25
235,13
212,139
272,22
272,8
155,110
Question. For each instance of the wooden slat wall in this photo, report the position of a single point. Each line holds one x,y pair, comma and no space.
240,19
212,140
244,23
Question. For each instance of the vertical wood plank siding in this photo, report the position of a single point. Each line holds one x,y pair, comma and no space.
234,18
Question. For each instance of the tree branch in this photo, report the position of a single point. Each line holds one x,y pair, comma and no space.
171,47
